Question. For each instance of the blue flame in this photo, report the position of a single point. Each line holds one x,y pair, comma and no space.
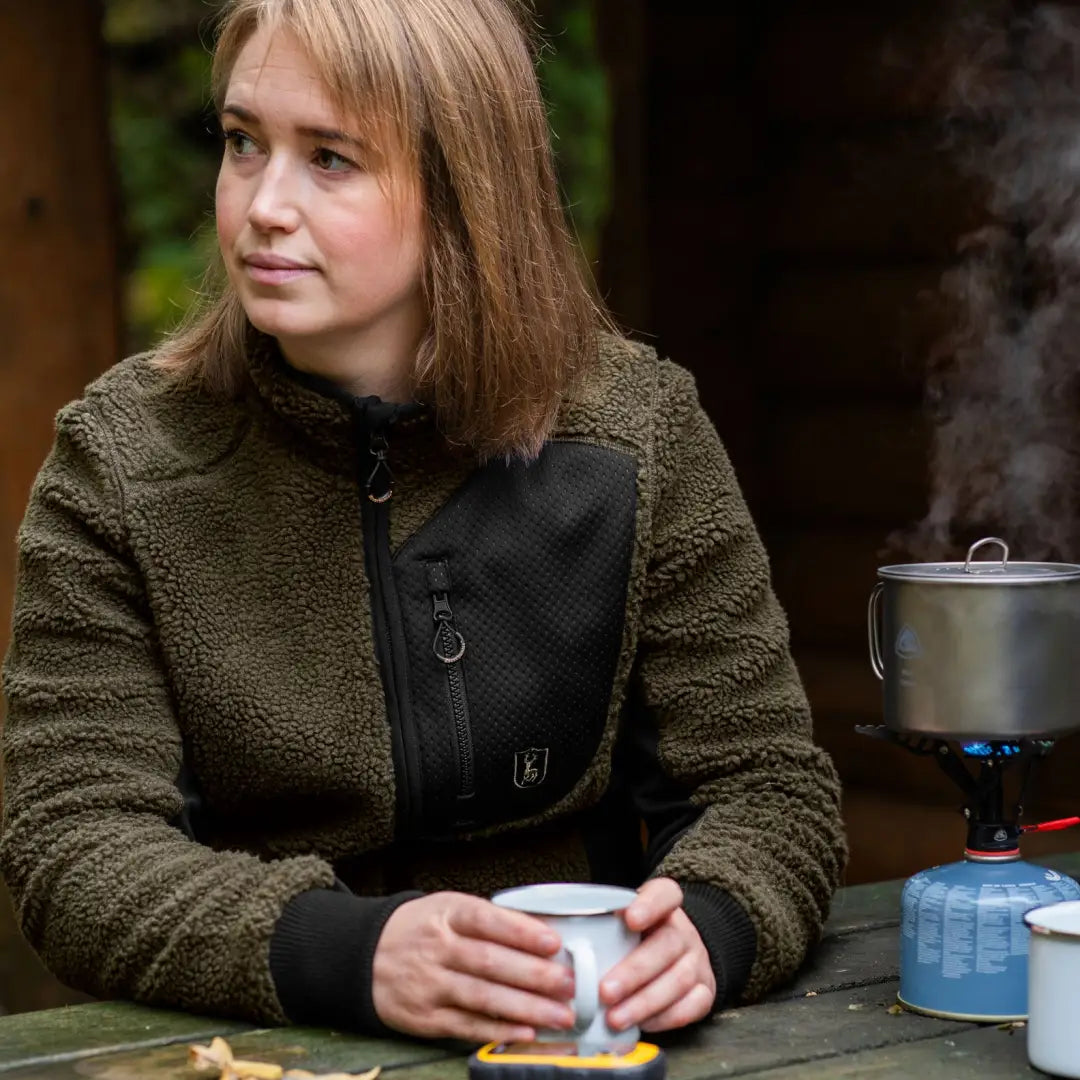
988,749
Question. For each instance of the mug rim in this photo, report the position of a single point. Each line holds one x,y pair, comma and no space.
1035,919
612,898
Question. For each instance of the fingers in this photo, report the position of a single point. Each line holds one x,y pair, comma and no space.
491,1000
498,964
448,964
488,922
650,959
472,1027
667,981
656,900
657,996
696,1004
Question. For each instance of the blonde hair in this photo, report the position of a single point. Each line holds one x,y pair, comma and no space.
449,94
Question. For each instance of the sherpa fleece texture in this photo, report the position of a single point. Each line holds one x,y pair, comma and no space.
191,574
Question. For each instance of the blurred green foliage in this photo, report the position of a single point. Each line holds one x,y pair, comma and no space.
167,147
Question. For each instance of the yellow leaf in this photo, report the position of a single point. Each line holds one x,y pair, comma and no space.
895,1010
218,1055
371,1074
257,1070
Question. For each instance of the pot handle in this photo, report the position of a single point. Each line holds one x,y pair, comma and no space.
982,543
873,619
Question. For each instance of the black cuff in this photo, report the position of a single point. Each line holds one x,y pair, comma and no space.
728,934
321,956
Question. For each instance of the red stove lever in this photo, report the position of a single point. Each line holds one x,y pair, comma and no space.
1047,826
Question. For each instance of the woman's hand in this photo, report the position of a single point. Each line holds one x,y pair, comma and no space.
457,966
667,981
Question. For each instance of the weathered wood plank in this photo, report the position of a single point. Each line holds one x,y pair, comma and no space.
747,1041
865,907
843,961
80,1030
975,1054
300,1048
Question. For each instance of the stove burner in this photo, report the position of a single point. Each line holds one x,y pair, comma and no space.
993,830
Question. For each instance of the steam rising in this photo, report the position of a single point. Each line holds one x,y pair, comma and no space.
1003,386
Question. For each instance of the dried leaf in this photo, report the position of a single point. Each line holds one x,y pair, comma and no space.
218,1055
1012,1025
257,1070
811,993
303,1074
895,1010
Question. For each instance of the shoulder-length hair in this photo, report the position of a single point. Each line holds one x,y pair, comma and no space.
448,95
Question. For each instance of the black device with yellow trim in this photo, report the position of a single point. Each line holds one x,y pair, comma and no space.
559,1061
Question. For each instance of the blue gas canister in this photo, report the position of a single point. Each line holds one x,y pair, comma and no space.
963,942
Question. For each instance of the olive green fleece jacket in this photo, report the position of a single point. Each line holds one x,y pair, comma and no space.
192,588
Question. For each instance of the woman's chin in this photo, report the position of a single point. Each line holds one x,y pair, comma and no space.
272,320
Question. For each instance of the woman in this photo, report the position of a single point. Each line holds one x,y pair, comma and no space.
394,579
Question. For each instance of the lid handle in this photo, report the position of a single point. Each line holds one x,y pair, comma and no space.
980,543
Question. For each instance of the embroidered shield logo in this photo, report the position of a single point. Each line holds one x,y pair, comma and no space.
530,767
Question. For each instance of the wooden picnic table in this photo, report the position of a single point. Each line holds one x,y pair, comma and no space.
832,1022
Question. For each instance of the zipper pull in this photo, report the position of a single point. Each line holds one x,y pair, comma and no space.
378,446
446,633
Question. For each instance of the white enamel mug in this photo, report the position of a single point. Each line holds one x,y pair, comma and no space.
1053,1028
589,922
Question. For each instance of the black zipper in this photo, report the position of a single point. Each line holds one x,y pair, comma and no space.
378,484
449,649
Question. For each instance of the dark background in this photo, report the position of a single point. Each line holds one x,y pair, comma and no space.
769,196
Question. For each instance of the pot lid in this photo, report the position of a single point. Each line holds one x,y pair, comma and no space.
984,571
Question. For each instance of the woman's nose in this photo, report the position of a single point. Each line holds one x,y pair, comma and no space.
275,203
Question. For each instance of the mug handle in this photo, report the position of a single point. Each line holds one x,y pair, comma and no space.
873,628
586,982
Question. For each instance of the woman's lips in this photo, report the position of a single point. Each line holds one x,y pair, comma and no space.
275,270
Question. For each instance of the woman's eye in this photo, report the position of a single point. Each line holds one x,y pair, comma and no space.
239,144
328,161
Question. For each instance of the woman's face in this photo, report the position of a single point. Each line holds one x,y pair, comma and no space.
319,254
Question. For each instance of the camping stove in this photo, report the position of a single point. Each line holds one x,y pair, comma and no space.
963,942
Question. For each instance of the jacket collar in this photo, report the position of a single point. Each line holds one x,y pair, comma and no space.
318,409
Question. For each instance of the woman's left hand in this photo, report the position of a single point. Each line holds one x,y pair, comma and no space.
667,981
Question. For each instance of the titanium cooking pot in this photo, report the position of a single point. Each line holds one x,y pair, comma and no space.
978,649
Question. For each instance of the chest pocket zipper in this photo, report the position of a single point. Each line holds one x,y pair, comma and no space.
449,648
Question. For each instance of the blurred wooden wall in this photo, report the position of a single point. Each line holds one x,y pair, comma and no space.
58,290
797,209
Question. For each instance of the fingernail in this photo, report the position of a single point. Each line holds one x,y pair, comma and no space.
549,942
612,988
616,1020
567,985
561,1018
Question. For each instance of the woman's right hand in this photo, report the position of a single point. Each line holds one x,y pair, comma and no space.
450,965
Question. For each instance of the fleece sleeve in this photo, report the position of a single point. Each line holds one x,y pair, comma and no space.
113,896
730,726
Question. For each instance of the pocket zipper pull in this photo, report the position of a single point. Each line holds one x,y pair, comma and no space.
442,615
